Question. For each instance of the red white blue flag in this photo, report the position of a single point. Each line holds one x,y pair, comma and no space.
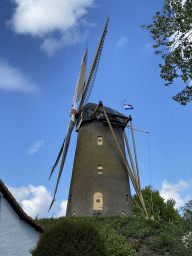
128,107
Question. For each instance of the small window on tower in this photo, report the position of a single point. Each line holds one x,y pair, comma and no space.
100,169
122,213
99,140
127,199
73,213
70,198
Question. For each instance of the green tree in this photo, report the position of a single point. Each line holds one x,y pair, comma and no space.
187,211
170,213
187,216
176,21
157,207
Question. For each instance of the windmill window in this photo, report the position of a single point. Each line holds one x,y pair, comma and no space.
99,140
100,169
70,198
127,198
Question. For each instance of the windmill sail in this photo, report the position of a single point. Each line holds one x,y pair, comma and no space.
83,71
64,153
81,78
80,94
52,170
93,68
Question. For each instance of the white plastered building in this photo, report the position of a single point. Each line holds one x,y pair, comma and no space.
18,232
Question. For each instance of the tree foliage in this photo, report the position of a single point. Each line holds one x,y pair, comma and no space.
156,206
187,216
187,211
175,22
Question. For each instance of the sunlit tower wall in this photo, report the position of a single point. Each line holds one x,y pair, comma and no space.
100,182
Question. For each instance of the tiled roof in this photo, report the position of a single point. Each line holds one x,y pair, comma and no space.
22,215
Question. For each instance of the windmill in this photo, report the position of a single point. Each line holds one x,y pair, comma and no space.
100,176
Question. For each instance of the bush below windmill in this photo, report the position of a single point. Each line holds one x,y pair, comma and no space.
121,235
78,237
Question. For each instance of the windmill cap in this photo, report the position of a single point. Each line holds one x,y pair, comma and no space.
113,115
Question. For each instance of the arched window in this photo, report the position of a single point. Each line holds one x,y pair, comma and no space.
100,169
122,213
70,198
97,201
99,140
73,212
127,198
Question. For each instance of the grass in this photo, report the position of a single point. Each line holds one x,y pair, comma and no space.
124,236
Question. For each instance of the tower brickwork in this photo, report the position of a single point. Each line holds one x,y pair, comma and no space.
100,181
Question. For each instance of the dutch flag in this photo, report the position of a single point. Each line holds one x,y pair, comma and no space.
128,107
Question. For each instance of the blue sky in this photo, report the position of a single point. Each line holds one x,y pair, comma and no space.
42,44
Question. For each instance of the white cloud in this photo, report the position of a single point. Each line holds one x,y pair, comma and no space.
35,147
187,198
19,193
42,17
84,23
13,79
36,200
122,41
171,191
51,45
63,207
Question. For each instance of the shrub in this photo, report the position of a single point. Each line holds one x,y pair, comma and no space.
75,238
136,247
80,236
116,244
153,223
164,240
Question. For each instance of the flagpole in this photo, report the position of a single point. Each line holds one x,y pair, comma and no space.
122,105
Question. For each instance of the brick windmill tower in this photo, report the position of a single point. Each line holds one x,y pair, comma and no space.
100,177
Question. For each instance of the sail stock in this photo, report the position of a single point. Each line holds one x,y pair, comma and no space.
53,168
82,92
64,153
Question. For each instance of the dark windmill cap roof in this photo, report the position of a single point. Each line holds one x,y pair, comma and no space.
113,115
